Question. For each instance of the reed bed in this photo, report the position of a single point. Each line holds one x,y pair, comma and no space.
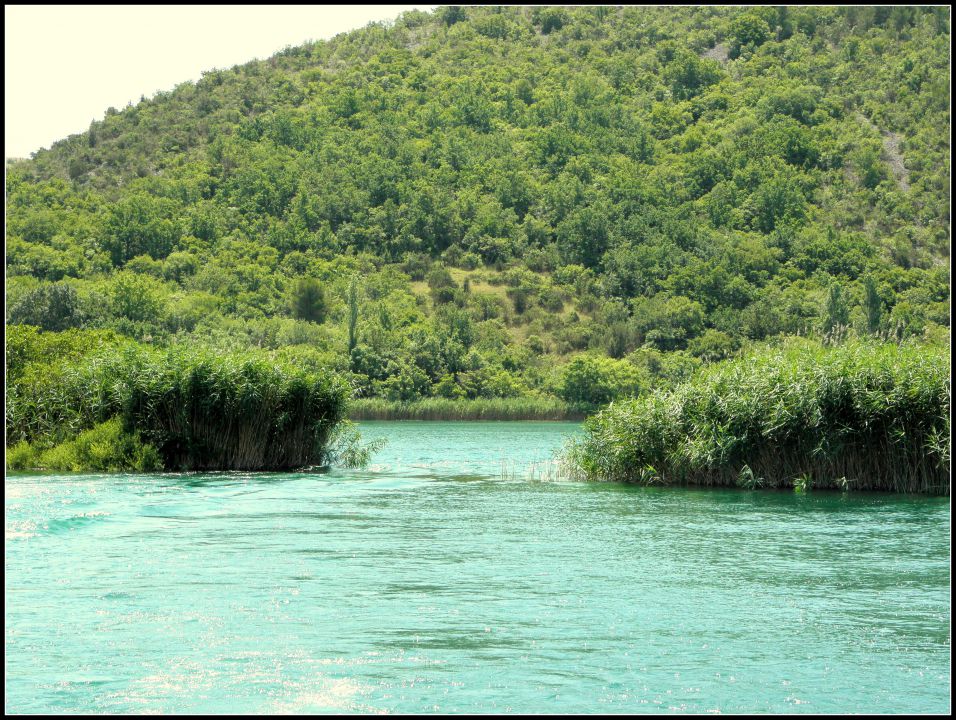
864,415
200,410
234,412
522,408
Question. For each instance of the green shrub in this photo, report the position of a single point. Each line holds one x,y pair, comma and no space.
588,382
21,456
104,448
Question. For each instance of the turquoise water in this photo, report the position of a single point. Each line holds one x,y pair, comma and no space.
441,580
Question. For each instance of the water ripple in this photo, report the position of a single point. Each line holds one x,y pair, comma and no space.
429,583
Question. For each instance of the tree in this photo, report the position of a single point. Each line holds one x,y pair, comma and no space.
583,237
551,19
669,322
452,14
688,74
50,307
140,224
406,382
837,312
872,304
869,162
749,30
588,382
777,199
352,298
309,301
138,298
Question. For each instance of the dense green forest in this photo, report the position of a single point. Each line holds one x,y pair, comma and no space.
550,205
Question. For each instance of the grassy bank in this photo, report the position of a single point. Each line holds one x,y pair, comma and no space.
448,409
85,402
864,416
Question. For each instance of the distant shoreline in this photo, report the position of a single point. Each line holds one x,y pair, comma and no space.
532,409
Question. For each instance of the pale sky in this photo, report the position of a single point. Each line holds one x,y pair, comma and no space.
65,65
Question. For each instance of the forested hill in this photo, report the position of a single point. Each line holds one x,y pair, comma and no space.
572,201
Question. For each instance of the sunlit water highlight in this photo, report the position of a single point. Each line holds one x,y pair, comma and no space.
432,583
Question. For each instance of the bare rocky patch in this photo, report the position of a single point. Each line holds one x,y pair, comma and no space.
717,52
891,152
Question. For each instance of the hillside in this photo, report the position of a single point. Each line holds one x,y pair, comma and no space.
514,202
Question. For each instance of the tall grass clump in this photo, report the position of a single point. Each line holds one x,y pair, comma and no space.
864,415
205,411
198,409
53,388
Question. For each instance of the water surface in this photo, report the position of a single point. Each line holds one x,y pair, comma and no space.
436,582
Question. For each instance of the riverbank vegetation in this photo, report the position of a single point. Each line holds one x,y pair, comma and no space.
525,408
863,416
82,400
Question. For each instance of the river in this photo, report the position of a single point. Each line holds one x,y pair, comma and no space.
444,579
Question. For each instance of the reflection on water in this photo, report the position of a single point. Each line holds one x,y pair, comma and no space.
433,583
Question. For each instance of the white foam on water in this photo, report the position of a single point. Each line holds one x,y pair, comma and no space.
19,529
21,490
323,693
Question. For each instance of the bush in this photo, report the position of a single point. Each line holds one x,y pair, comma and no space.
713,345
52,307
469,260
588,382
21,456
104,448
